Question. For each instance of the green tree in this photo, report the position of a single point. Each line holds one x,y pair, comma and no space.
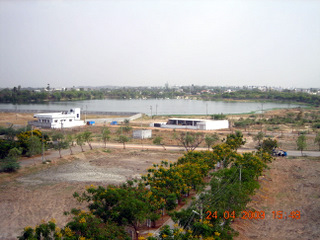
9,133
302,143
123,139
80,140
158,141
259,137
105,135
211,139
34,146
125,129
125,205
190,140
317,140
235,140
59,142
82,226
10,163
87,137
69,141
224,153
268,145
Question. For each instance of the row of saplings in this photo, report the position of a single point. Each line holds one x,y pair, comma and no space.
112,209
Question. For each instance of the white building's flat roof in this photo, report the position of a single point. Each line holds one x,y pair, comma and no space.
53,115
195,119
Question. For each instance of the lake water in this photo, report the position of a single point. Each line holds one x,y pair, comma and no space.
156,106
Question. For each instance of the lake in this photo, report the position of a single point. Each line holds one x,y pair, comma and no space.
154,106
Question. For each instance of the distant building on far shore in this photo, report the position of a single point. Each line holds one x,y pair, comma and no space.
196,124
65,119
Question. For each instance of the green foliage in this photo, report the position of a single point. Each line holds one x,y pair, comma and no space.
244,123
25,142
69,142
268,145
220,116
224,153
190,140
34,146
87,137
5,146
18,95
259,137
125,205
9,133
210,139
125,129
199,157
105,135
158,141
9,164
235,140
316,125
60,142
231,189
80,140
126,122
136,201
123,139
83,226
301,143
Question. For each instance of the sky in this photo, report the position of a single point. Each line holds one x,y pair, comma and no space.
152,42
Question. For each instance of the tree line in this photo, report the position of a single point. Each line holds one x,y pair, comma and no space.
18,95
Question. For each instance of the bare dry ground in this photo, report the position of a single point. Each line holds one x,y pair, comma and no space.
46,194
289,185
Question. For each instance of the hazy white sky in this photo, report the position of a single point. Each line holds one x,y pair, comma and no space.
151,42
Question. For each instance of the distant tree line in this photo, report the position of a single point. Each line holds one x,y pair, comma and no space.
18,95
285,96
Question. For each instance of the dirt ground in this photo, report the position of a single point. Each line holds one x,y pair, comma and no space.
46,194
289,185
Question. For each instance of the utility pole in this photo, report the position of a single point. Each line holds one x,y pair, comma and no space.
151,110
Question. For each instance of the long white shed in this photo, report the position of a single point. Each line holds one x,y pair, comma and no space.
200,124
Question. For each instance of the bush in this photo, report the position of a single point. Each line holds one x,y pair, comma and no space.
316,125
219,116
9,164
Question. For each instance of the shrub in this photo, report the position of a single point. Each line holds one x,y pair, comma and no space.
316,125
9,164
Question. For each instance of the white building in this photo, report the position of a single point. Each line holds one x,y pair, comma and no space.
66,119
200,124
142,134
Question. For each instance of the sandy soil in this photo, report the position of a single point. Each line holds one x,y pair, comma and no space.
289,185
46,194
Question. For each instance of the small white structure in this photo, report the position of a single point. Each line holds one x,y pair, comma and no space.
199,124
66,119
142,134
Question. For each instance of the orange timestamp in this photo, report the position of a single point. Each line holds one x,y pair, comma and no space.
253,215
